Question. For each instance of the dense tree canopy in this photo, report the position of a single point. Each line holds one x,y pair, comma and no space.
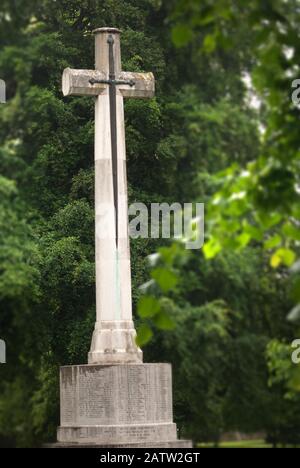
230,312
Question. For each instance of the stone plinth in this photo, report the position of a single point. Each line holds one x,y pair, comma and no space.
114,343
117,406
170,444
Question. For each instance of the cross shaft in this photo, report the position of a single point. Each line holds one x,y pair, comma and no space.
114,335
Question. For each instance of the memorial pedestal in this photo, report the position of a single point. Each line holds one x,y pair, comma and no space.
117,406
115,400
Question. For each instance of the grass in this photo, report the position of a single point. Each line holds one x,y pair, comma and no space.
260,443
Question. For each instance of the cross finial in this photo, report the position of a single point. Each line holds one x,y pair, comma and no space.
106,30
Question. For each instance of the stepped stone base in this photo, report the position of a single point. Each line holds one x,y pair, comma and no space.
123,434
168,444
126,405
114,342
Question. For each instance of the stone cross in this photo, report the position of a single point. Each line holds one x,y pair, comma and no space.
113,339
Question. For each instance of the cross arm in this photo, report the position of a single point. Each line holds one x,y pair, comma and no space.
86,83
144,85
77,82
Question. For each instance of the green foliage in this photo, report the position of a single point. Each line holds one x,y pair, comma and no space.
259,200
199,332
284,380
242,311
164,280
217,313
148,306
18,275
266,187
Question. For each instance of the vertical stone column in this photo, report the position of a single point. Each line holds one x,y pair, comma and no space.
114,335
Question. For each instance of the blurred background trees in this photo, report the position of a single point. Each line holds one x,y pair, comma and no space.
230,343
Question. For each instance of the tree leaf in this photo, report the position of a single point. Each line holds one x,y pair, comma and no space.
166,279
283,255
148,306
269,220
291,231
211,248
243,239
272,242
163,321
254,231
170,253
144,335
181,35
209,43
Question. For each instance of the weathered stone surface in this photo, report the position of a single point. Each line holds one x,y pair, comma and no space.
114,342
117,406
77,83
131,433
93,395
114,335
115,400
166,444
